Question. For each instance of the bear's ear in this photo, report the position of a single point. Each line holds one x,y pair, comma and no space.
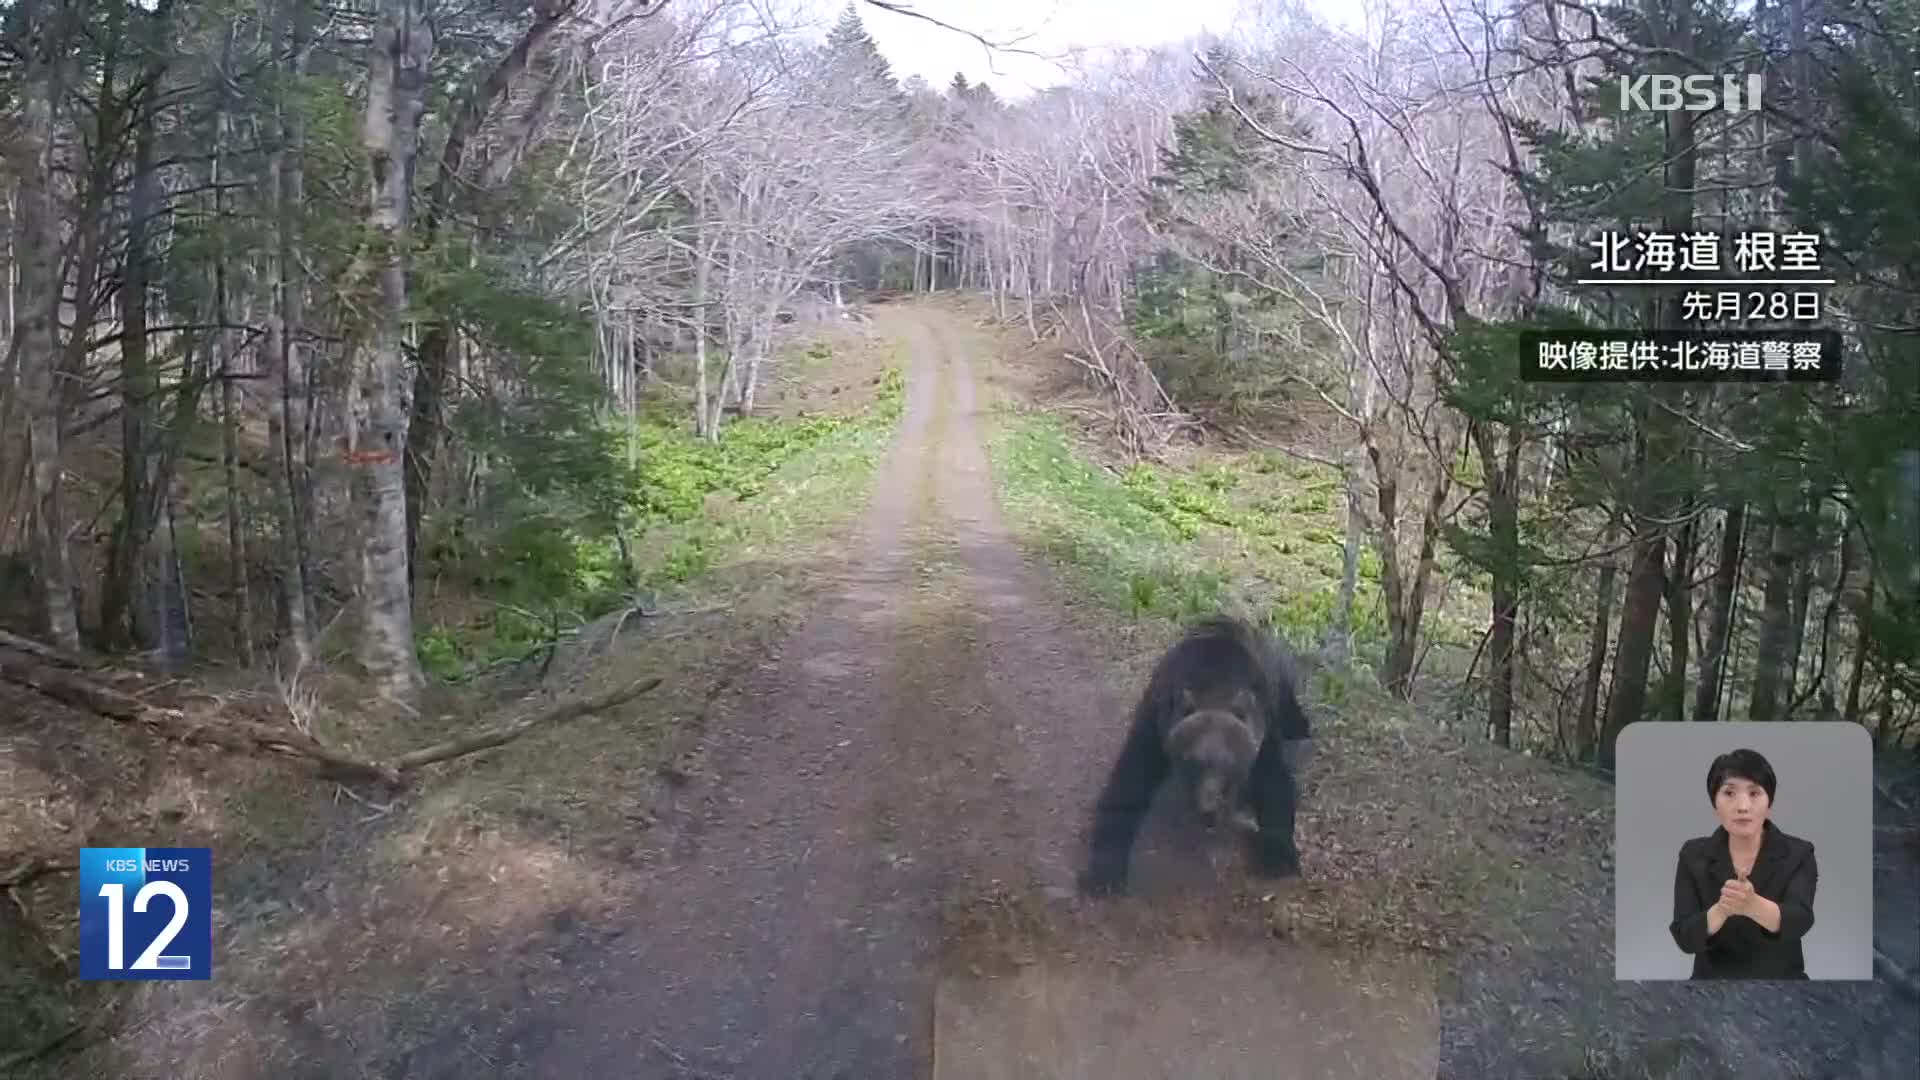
1186,699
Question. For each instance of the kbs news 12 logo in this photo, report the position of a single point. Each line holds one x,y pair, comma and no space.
146,913
1689,93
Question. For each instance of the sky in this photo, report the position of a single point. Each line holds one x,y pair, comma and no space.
916,47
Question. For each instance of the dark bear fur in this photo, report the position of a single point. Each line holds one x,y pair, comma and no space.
1220,711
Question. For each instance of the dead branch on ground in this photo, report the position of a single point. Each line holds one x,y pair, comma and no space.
505,733
36,668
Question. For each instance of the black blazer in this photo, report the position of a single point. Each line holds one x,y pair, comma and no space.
1784,873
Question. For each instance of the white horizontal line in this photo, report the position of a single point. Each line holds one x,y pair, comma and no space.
1703,281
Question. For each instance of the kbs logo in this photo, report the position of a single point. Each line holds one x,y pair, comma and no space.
1689,93
153,905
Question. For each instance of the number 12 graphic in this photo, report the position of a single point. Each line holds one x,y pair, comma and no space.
151,960
153,903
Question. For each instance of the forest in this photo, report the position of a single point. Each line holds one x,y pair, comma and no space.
371,351
353,295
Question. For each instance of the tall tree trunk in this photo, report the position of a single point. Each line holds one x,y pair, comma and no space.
1403,651
286,388
13,471
1726,574
42,355
1836,589
402,47
1502,470
1405,599
1362,385
750,374
303,390
139,395
1584,731
223,354
1222,320
425,418
729,371
1646,582
140,486
172,606
751,380
702,313
1804,573
1679,621
1776,607
236,518
1393,585
1339,642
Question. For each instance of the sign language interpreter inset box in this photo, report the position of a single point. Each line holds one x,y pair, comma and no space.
1743,851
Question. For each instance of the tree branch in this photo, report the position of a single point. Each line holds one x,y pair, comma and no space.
900,7
42,669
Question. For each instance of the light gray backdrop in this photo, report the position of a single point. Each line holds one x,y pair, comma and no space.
1823,794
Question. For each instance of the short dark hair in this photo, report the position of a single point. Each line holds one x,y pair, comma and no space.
1745,764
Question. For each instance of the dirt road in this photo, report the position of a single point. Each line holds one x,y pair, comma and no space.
924,748
923,733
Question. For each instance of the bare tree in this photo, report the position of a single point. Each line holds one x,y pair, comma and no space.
1404,173
397,60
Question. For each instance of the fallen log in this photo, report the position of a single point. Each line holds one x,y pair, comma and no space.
513,729
226,732
39,672
36,649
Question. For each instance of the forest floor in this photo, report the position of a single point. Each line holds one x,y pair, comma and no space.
839,841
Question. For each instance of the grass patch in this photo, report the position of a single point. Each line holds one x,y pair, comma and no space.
1263,533
763,478
734,549
694,506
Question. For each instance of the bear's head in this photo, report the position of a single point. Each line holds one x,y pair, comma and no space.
1213,750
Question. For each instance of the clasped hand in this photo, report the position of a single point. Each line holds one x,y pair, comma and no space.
1738,898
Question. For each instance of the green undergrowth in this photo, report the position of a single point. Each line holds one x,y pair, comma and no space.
689,507
1261,532
728,543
